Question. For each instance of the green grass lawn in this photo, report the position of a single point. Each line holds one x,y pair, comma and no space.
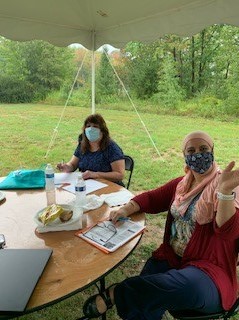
25,135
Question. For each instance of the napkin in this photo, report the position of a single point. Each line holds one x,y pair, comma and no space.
2,196
117,198
92,202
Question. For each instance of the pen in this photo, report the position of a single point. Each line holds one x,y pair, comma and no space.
123,219
63,184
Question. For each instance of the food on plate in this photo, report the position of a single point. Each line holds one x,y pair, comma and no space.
66,215
51,213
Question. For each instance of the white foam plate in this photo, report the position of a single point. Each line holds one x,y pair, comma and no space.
57,221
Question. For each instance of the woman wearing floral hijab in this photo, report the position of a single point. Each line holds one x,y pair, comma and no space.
195,266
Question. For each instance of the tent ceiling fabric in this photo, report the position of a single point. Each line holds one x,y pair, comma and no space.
63,22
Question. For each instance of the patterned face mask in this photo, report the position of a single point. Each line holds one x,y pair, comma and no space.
92,133
199,162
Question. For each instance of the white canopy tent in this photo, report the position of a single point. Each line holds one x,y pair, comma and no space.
94,23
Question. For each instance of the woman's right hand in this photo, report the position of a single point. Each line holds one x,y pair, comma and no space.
64,167
116,214
125,211
229,179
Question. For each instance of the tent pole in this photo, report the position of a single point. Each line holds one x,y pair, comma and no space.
93,74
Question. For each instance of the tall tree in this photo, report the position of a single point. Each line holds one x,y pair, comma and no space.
169,91
143,64
106,81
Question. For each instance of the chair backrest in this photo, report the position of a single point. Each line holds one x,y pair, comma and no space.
129,166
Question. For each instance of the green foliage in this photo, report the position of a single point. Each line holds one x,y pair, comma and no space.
165,73
209,107
203,105
81,98
143,63
106,84
36,65
169,91
15,90
231,104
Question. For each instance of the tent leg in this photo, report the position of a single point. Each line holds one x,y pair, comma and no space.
93,74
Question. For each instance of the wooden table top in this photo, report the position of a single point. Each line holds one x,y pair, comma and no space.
75,264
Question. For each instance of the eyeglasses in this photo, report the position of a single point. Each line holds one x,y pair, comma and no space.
102,232
108,227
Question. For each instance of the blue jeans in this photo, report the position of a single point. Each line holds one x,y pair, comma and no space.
159,288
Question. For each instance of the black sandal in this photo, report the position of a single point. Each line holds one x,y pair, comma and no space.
90,309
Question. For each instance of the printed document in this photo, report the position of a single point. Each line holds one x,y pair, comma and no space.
109,237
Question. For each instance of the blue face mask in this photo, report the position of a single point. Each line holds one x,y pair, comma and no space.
199,162
92,133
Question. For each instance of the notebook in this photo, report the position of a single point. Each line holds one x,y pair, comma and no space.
20,270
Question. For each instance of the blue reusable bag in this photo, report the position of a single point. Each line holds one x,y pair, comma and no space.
24,179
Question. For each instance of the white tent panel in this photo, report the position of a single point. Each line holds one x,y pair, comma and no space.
93,23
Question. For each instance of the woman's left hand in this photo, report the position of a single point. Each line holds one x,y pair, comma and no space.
229,179
89,175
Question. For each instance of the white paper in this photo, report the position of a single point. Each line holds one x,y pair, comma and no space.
71,177
91,185
63,177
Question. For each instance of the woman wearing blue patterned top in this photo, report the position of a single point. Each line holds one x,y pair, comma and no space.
96,155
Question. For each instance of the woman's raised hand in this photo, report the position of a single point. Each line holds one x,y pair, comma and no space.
229,179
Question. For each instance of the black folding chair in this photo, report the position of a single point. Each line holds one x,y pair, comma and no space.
193,315
129,166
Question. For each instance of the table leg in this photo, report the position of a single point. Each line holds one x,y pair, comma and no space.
102,284
102,288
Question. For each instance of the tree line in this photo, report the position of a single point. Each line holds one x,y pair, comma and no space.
166,72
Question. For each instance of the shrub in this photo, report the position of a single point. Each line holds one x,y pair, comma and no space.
231,104
14,90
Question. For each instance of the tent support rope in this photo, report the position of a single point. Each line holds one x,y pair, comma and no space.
55,130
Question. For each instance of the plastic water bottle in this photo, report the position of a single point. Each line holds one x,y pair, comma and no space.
80,191
50,185
80,198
